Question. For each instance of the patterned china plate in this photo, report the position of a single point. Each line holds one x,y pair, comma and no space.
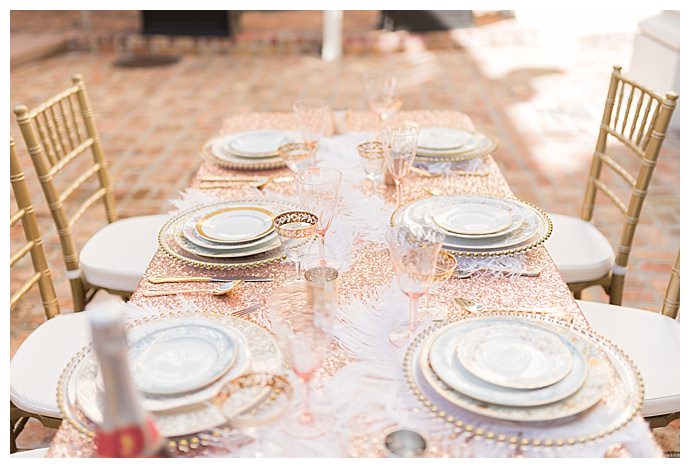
443,361
180,357
584,398
515,355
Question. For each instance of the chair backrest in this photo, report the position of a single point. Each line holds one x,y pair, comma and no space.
642,131
34,246
672,297
56,133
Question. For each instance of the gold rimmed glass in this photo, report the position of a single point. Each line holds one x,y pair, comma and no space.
297,231
372,160
414,249
399,142
298,155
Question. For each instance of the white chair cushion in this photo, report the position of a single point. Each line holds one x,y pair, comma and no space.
579,250
652,340
118,254
34,453
36,366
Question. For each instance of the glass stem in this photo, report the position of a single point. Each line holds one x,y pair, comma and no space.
322,249
298,269
305,416
397,193
414,307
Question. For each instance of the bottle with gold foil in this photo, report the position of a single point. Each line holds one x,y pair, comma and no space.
127,430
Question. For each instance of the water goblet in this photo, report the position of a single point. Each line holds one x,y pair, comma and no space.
318,190
399,142
414,249
297,155
313,118
380,91
296,230
302,333
371,158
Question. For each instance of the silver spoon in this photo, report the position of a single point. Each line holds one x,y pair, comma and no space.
220,290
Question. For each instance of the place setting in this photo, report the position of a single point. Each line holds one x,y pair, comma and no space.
519,367
180,363
251,150
446,144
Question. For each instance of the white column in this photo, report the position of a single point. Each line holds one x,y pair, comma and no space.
332,48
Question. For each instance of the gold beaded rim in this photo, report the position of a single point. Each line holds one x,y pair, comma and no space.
497,253
370,150
280,220
278,257
478,153
633,409
206,153
174,441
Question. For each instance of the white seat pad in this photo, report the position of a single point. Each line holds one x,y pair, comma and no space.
118,254
579,250
652,340
36,366
34,453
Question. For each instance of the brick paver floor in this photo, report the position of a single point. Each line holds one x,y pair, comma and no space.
543,100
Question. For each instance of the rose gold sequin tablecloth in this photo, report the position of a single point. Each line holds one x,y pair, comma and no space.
371,267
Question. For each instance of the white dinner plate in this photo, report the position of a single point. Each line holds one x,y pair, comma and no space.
515,355
190,233
181,357
256,144
473,218
444,362
266,244
239,224
441,138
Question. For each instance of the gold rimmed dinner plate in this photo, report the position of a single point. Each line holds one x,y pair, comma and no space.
236,224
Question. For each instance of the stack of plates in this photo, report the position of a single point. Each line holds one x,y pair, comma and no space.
480,225
452,144
232,234
514,369
178,364
247,150
523,376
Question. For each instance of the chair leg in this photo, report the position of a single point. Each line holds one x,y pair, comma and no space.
662,420
616,289
578,294
16,427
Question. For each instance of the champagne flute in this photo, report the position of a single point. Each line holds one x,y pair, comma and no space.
380,91
313,118
414,249
318,190
399,142
296,230
305,339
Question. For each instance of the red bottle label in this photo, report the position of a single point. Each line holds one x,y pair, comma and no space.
128,441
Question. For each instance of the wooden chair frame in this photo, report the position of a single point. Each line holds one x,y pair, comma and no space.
643,135
54,139
41,277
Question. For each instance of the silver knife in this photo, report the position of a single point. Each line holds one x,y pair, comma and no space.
206,279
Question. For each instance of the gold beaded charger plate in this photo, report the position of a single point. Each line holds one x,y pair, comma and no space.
622,397
215,151
477,145
443,360
190,413
173,243
531,226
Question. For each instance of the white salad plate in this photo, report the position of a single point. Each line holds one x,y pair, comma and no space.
257,144
233,225
473,218
180,357
515,355
442,138
444,362
189,232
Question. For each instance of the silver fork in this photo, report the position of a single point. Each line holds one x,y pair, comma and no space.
242,313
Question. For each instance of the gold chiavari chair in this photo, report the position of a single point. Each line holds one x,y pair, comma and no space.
652,340
637,117
57,133
37,363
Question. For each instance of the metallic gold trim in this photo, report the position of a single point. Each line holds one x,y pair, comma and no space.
513,439
199,223
295,217
498,253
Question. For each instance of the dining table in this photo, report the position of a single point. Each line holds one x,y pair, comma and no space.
362,380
